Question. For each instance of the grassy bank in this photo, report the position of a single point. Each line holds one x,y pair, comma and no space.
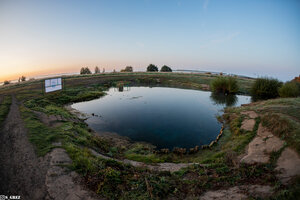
50,125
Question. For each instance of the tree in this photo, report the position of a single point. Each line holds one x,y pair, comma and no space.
23,78
103,71
152,68
127,69
165,68
6,82
97,70
85,70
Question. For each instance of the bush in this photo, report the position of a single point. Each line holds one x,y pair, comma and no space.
127,69
6,82
152,68
165,68
265,88
225,85
85,70
289,89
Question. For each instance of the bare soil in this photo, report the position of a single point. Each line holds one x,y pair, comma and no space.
288,165
260,148
248,124
23,173
239,192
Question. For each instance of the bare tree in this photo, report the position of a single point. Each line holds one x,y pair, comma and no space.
97,70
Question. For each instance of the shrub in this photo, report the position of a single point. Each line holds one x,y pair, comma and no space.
152,68
127,69
225,85
165,68
85,70
6,82
289,89
265,88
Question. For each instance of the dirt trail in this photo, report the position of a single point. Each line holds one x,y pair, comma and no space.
171,167
23,173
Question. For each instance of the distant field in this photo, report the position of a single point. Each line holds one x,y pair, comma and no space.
181,80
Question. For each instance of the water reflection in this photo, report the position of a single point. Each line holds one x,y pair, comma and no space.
164,117
221,99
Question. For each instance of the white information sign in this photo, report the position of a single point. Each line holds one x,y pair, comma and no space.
53,84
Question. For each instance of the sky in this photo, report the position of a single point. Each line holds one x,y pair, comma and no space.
246,37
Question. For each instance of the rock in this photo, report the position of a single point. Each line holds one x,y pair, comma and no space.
255,153
211,144
263,132
179,151
273,144
62,183
258,191
233,193
194,150
164,151
238,193
288,165
259,149
248,124
250,114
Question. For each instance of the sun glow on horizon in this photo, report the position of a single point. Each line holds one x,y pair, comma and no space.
254,38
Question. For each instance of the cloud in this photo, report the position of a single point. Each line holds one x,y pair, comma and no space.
205,4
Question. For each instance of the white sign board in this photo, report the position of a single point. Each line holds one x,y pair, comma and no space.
53,84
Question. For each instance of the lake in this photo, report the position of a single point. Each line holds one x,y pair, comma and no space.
164,117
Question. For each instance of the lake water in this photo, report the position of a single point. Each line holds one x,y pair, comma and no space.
164,117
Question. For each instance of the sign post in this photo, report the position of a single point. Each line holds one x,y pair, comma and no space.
53,84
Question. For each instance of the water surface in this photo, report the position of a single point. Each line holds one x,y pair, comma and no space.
164,117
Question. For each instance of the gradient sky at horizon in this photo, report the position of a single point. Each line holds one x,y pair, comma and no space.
254,37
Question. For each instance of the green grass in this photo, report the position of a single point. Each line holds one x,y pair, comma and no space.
115,180
4,108
290,192
39,134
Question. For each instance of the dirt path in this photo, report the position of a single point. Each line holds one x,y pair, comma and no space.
21,171
171,167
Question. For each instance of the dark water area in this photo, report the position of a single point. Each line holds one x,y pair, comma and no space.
164,117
